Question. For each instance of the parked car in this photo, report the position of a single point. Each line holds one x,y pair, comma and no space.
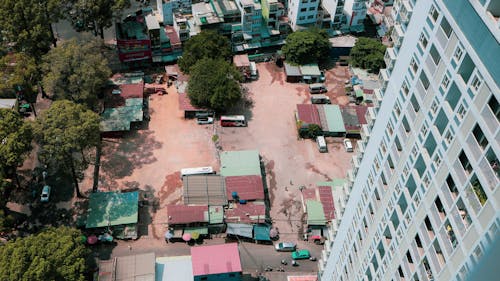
204,120
285,247
348,145
45,194
301,255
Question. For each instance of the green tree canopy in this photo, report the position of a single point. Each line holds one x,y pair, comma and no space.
54,254
64,132
368,54
15,140
18,70
76,71
206,44
214,83
95,15
307,46
28,24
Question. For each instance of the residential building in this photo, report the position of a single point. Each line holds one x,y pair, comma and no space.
302,13
251,19
422,199
167,9
355,12
272,10
332,15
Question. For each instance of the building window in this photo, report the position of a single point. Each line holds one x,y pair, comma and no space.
448,137
310,17
390,129
303,9
424,130
495,109
414,103
433,13
304,1
458,53
423,41
461,112
414,65
424,80
437,160
312,8
302,18
445,25
397,109
435,55
445,82
465,162
434,107
476,83
479,136
405,88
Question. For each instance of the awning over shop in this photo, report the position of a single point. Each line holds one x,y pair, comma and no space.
199,230
240,229
261,232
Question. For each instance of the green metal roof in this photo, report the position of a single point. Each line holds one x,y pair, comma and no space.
200,230
334,183
215,214
315,213
118,118
261,232
310,69
240,163
112,208
359,93
334,118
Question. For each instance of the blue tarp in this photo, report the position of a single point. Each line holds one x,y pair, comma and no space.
261,232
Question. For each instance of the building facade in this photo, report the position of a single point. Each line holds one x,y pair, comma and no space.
302,13
422,200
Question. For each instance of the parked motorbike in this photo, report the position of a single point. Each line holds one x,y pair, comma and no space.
294,263
284,262
312,258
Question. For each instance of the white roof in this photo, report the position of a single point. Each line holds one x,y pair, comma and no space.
177,268
8,103
152,22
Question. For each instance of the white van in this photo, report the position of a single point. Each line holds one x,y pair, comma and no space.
253,70
317,88
320,99
321,142
348,145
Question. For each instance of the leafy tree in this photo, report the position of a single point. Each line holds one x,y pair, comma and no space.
214,83
368,54
64,132
54,254
307,46
95,15
312,131
6,220
18,70
15,141
206,44
28,24
76,71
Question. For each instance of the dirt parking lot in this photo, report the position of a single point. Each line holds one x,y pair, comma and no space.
150,158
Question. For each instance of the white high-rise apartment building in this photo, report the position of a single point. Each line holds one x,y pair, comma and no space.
302,13
422,200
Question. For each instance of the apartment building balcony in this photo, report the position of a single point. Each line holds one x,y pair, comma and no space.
361,149
397,35
365,132
377,100
370,116
406,11
383,77
390,58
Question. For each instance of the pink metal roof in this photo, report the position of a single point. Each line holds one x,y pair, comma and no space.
185,103
180,214
215,259
303,278
308,113
245,213
326,198
309,193
247,187
129,91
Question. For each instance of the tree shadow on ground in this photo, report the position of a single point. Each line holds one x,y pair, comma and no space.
244,106
120,157
103,251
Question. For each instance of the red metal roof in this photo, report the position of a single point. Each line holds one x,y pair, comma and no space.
181,214
127,91
215,259
361,112
185,103
172,35
247,187
326,198
308,113
303,278
245,213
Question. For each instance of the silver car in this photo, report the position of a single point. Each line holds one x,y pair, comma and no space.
285,247
45,194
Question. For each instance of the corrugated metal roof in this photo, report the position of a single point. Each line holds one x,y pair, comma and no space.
204,190
261,232
336,182
112,208
326,199
240,163
247,187
177,268
303,278
240,229
292,70
246,213
333,118
215,214
128,268
181,214
215,259
308,114
199,230
315,213
351,121
310,69
241,60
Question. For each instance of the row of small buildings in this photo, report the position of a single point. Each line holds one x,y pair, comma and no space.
233,202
